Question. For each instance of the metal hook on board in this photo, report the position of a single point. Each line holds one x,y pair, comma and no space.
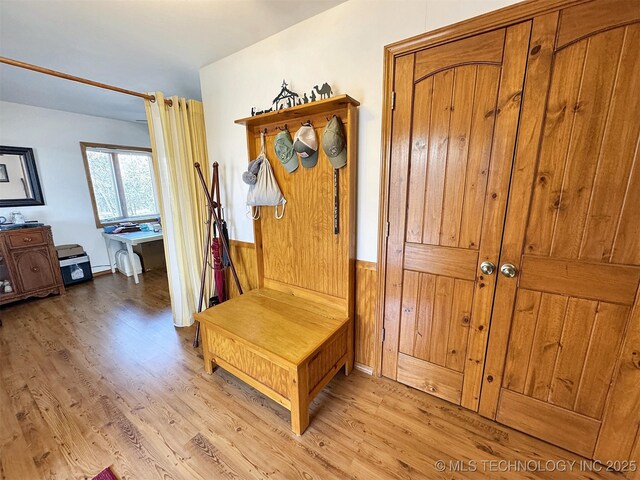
306,124
283,128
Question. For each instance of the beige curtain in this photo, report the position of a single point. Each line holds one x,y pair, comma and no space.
178,141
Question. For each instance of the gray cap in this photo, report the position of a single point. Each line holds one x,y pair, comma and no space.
334,144
283,146
306,144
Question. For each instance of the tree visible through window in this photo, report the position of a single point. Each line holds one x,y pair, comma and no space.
122,183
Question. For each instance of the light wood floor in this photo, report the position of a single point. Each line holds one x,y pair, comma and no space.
100,377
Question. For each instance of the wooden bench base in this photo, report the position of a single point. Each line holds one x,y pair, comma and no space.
285,347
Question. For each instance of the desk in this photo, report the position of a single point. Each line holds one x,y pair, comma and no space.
129,239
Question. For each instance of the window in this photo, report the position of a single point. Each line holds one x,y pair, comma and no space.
121,182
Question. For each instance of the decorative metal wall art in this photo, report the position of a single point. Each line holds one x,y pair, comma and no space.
288,98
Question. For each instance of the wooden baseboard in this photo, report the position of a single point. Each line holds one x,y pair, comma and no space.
102,273
363,368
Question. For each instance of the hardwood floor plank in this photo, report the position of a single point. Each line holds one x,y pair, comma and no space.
15,460
100,377
35,431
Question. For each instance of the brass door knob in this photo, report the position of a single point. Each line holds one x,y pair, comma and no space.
487,268
509,270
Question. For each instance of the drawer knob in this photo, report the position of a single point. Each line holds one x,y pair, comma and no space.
27,239
35,269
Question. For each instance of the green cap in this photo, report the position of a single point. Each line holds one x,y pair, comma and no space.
334,144
283,146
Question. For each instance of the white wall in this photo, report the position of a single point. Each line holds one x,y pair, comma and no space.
342,46
55,137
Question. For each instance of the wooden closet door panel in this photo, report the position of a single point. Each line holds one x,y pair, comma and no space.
562,345
456,122
539,64
585,108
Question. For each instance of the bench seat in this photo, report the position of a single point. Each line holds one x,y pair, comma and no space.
287,347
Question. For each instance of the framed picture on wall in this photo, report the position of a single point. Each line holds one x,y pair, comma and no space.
4,176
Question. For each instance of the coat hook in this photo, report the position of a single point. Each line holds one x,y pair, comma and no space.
265,131
282,128
306,124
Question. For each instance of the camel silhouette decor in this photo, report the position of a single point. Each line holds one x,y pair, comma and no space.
288,98
325,91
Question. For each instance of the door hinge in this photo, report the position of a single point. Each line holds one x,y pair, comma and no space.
383,334
393,100
386,230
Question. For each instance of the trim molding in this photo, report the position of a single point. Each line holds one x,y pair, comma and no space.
87,171
366,265
241,244
503,17
363,368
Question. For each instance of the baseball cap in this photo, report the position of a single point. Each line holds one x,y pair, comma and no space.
283,146
334,143
305,143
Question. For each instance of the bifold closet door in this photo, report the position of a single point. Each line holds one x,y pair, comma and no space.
454,127
564,353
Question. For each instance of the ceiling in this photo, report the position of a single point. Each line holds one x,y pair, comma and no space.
142,45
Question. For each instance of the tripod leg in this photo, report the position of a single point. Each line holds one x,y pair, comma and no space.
196,339
216,220
203,276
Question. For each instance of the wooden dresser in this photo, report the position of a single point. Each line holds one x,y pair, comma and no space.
29,263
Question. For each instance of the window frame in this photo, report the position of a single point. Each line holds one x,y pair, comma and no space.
116,149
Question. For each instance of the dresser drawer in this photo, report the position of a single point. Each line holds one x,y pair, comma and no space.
25,238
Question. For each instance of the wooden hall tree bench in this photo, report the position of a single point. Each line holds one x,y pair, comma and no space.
290,336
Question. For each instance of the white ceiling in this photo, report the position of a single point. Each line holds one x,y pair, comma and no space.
142,45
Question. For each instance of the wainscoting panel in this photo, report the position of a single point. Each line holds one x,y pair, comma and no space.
244,259
366,296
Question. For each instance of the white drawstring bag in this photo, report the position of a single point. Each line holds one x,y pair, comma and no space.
266,191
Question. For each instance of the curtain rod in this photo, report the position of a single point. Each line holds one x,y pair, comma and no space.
73,78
